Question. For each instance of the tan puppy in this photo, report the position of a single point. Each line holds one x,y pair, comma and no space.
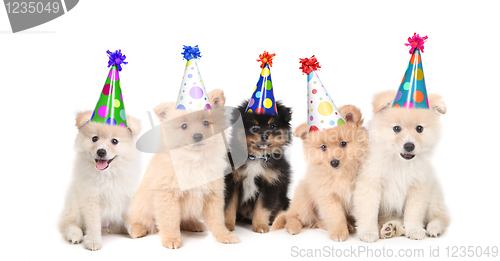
323,197
397,192
160,203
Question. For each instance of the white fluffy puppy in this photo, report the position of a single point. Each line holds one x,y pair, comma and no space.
106,174
396,190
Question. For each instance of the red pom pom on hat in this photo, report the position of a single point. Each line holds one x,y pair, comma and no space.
309,65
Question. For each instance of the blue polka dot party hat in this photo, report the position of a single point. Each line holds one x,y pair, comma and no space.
192,95
110,108
412,92
262,101
321,111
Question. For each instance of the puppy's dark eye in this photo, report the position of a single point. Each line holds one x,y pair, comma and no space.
206,123
396,129
255,128
323,147
343,144
271,127
114,141
184,126
420,129
95,139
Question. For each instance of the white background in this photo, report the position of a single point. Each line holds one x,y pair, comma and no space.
52,71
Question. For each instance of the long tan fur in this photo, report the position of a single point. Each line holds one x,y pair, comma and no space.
323,197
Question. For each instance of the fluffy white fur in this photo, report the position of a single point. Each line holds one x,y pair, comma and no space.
98,201
250,189
395,196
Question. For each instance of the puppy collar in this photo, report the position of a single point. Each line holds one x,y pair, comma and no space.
264,157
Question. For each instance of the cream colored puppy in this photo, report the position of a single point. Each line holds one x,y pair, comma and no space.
396,191
160,203
106,174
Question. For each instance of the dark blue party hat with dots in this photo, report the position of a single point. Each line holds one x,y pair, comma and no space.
262,101
412,92
192,95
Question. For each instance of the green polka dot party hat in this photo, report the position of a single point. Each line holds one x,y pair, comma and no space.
321,111
262,101
110,108
192,95
412,92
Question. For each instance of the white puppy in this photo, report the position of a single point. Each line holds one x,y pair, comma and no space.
396,190
106,173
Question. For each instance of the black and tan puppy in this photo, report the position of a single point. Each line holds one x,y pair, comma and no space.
257,191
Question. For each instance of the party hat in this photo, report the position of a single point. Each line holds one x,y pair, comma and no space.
192,95
412,92
262,101
321,112
110,108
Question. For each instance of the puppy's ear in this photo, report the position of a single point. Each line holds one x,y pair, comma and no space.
134,125
435,103
163,109
285,113
351,114
217,98
382,101
301,131
82,118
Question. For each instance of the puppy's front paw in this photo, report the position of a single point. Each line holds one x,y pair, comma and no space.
339,235
92,243
368,237
351,228
137,231
171,242
74,235
319,224
230,225
387,230
293,226
260,228
228,238
434,229
416,234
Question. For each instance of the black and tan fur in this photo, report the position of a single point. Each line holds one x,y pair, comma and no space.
257,191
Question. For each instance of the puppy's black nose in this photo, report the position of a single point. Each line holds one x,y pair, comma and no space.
409,146
197,137
335,163
264,137
101,152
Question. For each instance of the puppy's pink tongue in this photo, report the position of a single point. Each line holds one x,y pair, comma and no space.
101,164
